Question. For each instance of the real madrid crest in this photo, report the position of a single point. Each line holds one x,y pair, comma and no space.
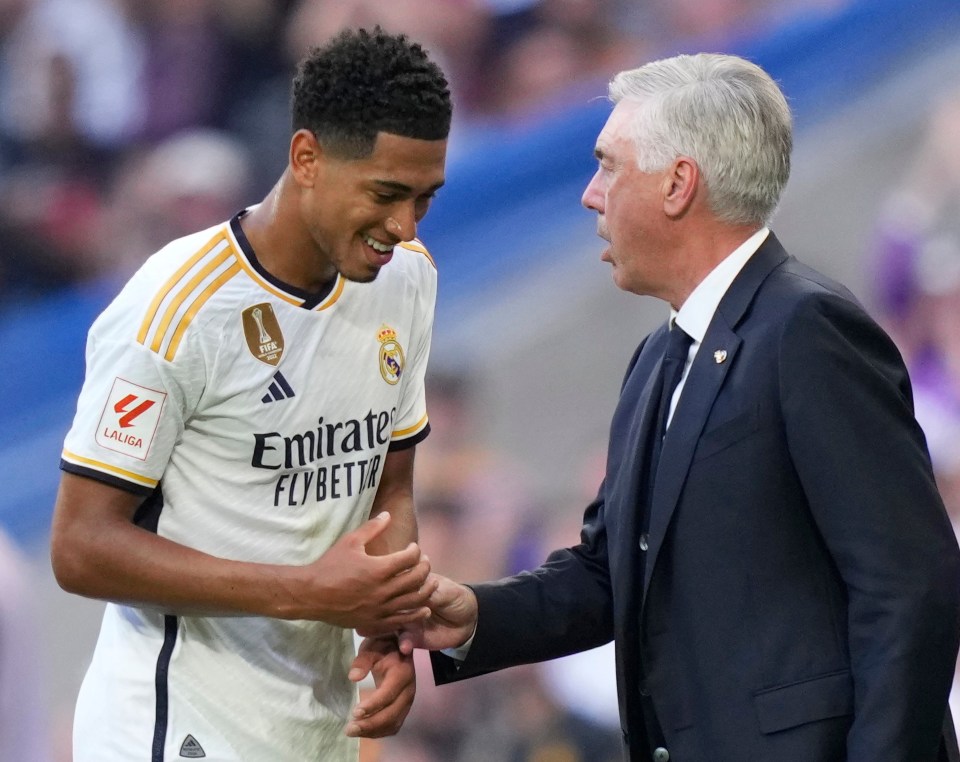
262,331
391,355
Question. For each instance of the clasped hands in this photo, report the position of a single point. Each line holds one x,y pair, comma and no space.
439,614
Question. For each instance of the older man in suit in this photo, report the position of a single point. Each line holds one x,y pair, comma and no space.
768,549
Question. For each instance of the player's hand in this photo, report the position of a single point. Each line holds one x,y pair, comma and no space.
452,621
350,588
382,711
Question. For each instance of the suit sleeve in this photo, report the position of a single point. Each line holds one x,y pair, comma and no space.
863,463
562,607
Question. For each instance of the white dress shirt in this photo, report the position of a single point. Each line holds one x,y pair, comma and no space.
696,313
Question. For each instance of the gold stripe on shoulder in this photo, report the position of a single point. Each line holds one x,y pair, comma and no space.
177,302
194,308
172,282
416,245
411,429
100,466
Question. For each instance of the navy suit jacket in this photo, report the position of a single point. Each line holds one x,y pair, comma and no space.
802,582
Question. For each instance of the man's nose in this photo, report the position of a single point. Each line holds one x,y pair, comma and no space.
592,197
402,222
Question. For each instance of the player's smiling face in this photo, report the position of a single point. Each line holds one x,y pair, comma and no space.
356,210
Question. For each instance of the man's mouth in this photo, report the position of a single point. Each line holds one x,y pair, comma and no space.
382,248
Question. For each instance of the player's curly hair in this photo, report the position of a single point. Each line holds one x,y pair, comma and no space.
364,82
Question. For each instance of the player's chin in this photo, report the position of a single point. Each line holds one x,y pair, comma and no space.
364,274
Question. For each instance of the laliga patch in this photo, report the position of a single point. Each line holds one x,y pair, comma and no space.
130,419
391,355
262,331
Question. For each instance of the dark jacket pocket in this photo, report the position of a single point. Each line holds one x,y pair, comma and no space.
727,433
819,698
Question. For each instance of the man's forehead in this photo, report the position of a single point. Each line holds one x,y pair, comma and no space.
616,129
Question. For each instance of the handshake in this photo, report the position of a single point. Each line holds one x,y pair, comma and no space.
397,604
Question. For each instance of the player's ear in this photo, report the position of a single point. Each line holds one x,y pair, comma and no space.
305,157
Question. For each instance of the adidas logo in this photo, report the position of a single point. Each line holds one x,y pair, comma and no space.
280,389
191,748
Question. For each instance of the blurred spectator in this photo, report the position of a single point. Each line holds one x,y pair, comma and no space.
565,678
199,55
69,77
24,725
917,276
49,229
187,182
526,724
465,488
699,22
538,50
454,31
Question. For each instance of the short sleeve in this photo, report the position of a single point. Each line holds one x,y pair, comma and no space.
133,403
411,424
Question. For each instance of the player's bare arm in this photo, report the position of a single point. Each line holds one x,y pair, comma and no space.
381,711
395,496
97,551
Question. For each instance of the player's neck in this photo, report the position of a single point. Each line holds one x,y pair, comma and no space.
282,245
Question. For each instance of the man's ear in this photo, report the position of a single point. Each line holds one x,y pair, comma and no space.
305,158
681,184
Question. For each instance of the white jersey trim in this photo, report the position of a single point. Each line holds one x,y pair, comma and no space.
97,465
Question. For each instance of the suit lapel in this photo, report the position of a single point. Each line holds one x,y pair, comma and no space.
703,383
636,398
699,392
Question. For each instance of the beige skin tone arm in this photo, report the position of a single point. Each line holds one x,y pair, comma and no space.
97,551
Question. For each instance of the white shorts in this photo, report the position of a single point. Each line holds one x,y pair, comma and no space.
138,702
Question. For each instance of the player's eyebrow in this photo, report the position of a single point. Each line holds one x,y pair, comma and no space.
404,188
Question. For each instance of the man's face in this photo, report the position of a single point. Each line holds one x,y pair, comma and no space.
629,204
357,209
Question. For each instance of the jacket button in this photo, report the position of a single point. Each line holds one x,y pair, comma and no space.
644,542
661,755
644,690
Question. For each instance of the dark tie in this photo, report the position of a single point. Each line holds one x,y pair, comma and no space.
674,358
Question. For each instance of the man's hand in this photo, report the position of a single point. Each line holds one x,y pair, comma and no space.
351,588
452,621
382,712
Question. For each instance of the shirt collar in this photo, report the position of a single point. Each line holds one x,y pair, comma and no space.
697,311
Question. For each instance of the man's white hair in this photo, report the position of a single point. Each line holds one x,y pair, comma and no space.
725,113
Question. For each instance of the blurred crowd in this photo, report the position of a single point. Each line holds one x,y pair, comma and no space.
916,268
125,123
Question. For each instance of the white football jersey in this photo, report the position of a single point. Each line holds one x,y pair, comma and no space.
255,421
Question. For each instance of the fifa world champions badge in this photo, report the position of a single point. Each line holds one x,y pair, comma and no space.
391,355
262,331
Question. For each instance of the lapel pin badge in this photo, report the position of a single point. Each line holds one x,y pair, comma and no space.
720,356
